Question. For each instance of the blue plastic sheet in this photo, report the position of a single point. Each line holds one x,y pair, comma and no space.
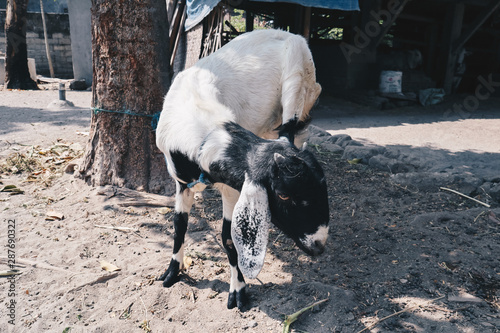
431,96
197,10
329,4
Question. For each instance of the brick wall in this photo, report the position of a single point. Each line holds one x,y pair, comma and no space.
59,42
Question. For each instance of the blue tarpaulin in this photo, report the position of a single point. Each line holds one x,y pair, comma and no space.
329,4
197,10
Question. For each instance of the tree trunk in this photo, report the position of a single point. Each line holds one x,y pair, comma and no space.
17,75
131,75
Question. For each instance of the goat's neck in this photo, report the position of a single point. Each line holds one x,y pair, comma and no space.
233,154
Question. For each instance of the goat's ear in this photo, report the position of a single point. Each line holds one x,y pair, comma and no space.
250,228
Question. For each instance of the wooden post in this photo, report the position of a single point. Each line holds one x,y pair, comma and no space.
47,49
249,17
307,23
454,16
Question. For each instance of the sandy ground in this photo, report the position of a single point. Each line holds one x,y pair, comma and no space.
399,259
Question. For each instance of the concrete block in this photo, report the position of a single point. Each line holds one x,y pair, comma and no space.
2,70
32,35
32,68
57,35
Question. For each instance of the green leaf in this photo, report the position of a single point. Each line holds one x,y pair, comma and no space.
354,161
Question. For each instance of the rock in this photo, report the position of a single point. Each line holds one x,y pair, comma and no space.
78,85
391,165
340,139
423,180
316,140
331,147
317,131
361,152
467,183
352,143
495,192
464,183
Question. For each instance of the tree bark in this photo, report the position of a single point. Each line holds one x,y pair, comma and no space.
17,75
131,74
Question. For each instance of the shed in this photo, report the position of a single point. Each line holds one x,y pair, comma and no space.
450,44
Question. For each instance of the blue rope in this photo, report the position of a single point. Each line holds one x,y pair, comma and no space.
202,180
154,117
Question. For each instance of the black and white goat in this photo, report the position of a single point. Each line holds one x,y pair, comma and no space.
261,181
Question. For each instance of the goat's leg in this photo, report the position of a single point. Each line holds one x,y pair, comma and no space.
299,90
237,294
183,202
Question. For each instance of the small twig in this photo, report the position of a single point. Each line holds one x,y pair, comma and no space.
398,313
465,196
145,309
12,272
126,313
480,214
40,265
116,228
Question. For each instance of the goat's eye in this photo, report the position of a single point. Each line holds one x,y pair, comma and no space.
283,196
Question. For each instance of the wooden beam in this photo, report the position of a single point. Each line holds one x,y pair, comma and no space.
386,28
176,25
478,22
177,38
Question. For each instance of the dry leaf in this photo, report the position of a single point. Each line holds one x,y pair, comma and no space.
188,261
354,161
109,266
164,210
53,215
464,297
12,189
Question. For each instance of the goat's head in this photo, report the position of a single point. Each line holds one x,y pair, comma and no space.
287,187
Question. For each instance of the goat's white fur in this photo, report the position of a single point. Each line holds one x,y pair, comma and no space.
263,78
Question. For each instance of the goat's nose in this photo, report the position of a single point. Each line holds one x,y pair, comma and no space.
318,248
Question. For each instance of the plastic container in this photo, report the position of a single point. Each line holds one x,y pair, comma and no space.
390,81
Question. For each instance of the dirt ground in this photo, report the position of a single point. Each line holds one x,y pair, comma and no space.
400,257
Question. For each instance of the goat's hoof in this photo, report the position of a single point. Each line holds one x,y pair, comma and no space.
237,298
171,275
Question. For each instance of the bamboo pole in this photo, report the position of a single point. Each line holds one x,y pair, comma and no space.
49,58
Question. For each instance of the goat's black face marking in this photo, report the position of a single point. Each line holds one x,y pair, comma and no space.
298,199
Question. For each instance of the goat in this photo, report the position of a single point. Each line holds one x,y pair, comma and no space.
201,132
266,78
